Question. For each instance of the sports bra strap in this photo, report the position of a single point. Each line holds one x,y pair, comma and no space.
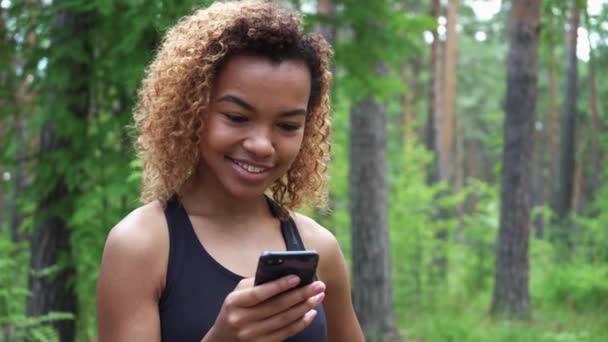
292,238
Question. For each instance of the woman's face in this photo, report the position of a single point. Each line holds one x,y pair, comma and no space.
255,124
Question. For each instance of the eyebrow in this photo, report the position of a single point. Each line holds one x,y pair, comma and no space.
242,103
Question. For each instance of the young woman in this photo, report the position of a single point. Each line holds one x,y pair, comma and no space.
233,133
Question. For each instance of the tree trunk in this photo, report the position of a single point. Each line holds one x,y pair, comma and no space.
325,9
2,176
6,50
554,121
472,162
435,131
54,291
410,73
371,257
511,296
459,175
431,131
449,91
536,181
19,182
440,151
563,196
594,181
579,179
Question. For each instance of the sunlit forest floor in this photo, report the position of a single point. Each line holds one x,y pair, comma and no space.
569,303
468,321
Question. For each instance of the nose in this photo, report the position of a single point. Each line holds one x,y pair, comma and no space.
259,144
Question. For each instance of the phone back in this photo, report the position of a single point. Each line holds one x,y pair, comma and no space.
274,265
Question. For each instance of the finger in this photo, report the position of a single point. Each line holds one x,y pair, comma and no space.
287,300
285,318
258,294
292,329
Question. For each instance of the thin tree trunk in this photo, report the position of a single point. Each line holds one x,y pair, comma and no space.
50,241
511,296
442,166
459,176
579,178
563,197
410,74
19,183
371,257
449,91
2,175
536,181
440,173
431,131
407,99
554,119
594,182
472,162
325,9
5,74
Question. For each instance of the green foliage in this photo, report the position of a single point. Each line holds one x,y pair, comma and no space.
411,227
95,155
103,177
374,70
15,325
592,240
569,301
578,286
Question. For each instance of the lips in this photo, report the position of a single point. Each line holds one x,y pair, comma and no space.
251,168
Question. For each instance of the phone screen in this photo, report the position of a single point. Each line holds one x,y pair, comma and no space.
274,265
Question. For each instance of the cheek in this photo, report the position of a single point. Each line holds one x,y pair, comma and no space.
216,136
292,149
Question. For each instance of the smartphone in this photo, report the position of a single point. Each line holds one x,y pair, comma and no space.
274,265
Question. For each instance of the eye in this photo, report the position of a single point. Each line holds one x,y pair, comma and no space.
236,118
289,126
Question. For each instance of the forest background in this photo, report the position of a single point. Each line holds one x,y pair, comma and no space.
468,174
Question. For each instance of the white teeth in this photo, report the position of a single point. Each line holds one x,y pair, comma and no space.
249,168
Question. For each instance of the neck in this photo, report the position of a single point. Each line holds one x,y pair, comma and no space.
204,198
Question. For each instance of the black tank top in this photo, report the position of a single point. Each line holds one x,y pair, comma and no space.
197,284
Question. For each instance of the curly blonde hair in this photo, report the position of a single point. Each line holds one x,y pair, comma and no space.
175,95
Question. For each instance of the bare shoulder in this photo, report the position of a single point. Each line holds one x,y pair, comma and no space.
140,238
143,229
342,323
319,238
314,235
132,276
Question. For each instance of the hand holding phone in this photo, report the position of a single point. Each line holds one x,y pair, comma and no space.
274,265
272,311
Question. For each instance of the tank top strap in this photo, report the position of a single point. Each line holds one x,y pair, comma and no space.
289,229
292,238
178,239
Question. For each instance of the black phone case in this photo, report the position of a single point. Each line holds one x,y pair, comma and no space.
274,265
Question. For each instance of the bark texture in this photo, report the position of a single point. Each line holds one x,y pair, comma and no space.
511,297
53,291
432,95
563,196
371,256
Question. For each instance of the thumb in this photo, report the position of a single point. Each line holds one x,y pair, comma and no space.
245,283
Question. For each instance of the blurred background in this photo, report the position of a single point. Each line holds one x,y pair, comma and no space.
467,183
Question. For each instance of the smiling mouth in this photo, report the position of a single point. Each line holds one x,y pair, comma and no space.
248,167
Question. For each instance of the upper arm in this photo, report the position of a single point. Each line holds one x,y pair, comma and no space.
131,279
342,323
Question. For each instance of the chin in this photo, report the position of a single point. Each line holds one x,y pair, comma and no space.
246,193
